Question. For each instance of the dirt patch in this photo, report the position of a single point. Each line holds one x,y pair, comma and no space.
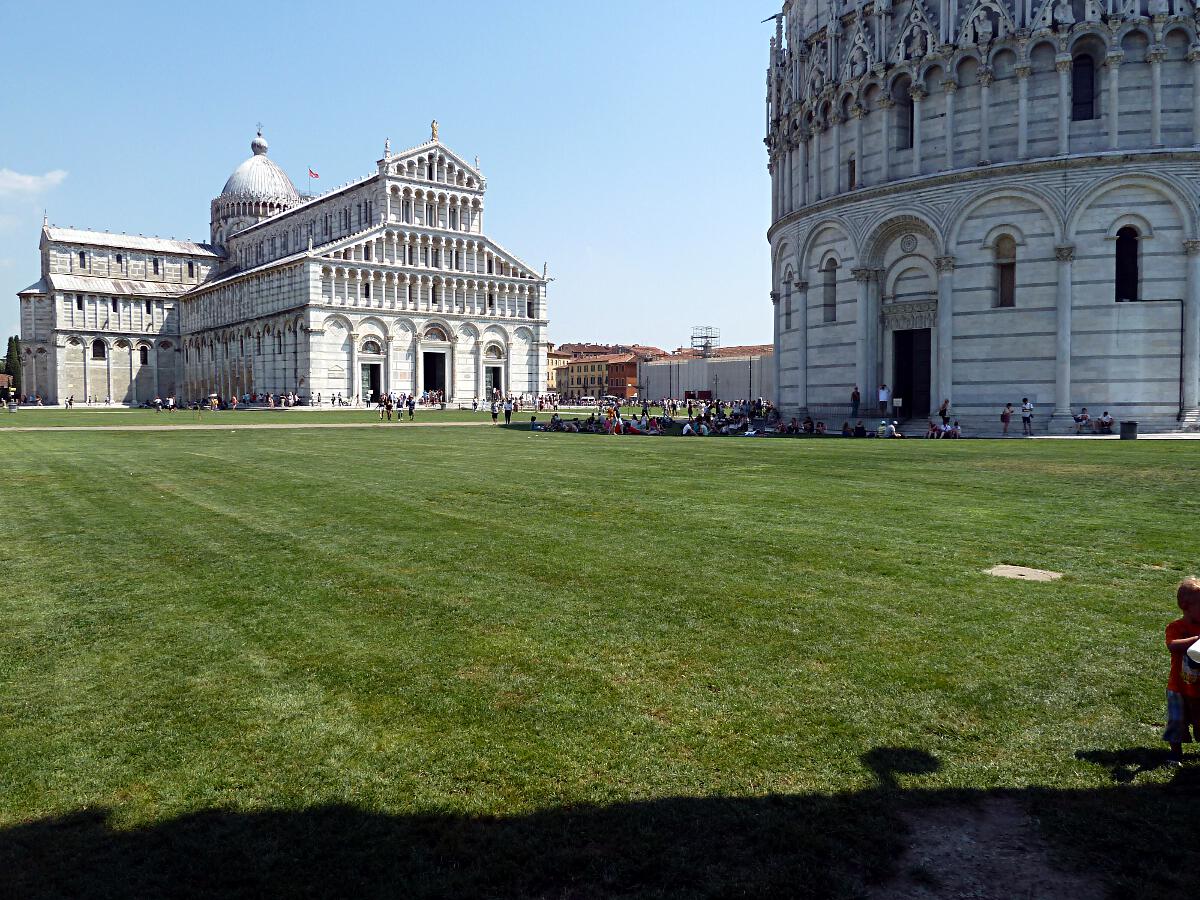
991,851
1023,573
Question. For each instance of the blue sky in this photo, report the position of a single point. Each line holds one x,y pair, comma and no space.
622,141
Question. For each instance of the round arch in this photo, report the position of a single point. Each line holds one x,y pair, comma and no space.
959,214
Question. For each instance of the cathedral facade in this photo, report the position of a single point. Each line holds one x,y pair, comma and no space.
985,200
387,284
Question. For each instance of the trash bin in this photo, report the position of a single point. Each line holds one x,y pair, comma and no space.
12,407
1129,431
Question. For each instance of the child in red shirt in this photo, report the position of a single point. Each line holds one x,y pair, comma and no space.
1183,687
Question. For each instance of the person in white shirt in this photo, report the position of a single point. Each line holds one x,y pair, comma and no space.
885,398
688,431
1026,417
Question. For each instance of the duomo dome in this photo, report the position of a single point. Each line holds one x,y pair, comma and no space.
259,178
257,189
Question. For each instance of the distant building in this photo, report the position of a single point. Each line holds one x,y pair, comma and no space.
729,373
556,359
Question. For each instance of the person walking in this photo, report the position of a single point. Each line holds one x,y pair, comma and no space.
944,411
412,407
855,402
508,410
1006,415
495,413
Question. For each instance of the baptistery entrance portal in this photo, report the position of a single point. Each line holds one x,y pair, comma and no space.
493,381
912,370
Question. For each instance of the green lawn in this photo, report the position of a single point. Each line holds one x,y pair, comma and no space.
55,418
464,662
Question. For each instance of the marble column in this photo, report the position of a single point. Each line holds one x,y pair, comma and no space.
387,365
862,314
108,352
945,329
885,139
1023,73
1065,255
1191,331
777,316
1155,58
801,301
1194,58
985,107
818,192
1063,65
479,372
1113,61
355,372
132,379
418,369
918,95
803,176
950,86
154,367
839,178
860,171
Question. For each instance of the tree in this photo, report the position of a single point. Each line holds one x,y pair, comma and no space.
12,363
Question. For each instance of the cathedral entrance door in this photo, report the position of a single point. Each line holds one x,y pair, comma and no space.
372,381
912,370
433,371
492,382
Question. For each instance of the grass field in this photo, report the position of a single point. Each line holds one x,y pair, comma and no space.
479,662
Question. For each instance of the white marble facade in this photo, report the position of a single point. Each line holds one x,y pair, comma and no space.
988,200
385,284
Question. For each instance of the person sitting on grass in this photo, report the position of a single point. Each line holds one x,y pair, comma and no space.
847,431
688,430
882,430
1183,684
1083,420
956,430
934,430
893,430
702,429
860,430
1104,424
821,429
809,426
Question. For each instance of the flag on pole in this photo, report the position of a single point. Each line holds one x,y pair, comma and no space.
312,174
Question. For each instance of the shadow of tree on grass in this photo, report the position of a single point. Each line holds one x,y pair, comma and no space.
1128,837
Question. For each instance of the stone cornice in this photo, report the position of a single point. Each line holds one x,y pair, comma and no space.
828,205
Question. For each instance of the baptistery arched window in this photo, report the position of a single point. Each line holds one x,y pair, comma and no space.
143,355
371,347
1083,88
829,292
1006,271
1128,279
99,350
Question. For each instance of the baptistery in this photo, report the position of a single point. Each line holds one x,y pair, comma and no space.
983,201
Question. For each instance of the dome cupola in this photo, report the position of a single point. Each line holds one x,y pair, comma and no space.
257,190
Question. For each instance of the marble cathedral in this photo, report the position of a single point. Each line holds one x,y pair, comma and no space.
385,284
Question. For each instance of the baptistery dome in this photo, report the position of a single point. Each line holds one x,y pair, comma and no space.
983,201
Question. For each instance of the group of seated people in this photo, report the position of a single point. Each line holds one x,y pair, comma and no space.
1098,425
943,430
608,424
